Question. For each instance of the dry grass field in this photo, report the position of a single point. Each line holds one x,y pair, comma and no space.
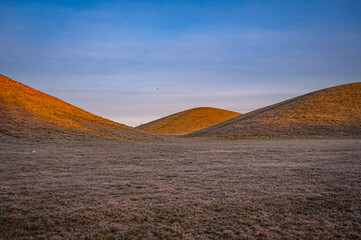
68,174
180,189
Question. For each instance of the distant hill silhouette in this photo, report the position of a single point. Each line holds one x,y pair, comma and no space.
28,113
331,112
188,121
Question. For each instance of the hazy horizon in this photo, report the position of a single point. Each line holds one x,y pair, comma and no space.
134,62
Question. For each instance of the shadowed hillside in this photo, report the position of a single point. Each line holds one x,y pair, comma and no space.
331,112
28,113
188,121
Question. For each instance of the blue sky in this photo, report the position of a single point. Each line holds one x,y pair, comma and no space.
135,61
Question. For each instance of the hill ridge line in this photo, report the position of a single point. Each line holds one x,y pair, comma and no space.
333,111
28,112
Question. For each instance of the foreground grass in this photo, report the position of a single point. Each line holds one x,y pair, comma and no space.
180,189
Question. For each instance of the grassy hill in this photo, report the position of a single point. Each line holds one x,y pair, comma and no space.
28,113
188,121
331,112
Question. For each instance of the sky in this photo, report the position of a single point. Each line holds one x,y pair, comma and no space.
136,61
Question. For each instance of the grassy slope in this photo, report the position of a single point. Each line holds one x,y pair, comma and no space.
188,121
334,112
26,112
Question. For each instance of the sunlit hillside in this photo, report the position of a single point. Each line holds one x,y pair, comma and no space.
26,112
188,121
333,112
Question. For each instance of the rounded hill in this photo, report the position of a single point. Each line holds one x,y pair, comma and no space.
29,113
188,121
331,112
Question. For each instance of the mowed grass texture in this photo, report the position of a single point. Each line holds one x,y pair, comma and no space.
178,189
28,113
332,112
188,121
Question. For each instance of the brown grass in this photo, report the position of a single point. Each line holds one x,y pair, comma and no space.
178,189
27,112
188,121
332,112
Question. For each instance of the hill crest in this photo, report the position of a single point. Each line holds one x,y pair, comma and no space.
188,121
27,112
332,112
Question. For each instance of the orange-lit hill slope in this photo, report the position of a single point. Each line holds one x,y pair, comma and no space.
331,112
188,121
28,113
